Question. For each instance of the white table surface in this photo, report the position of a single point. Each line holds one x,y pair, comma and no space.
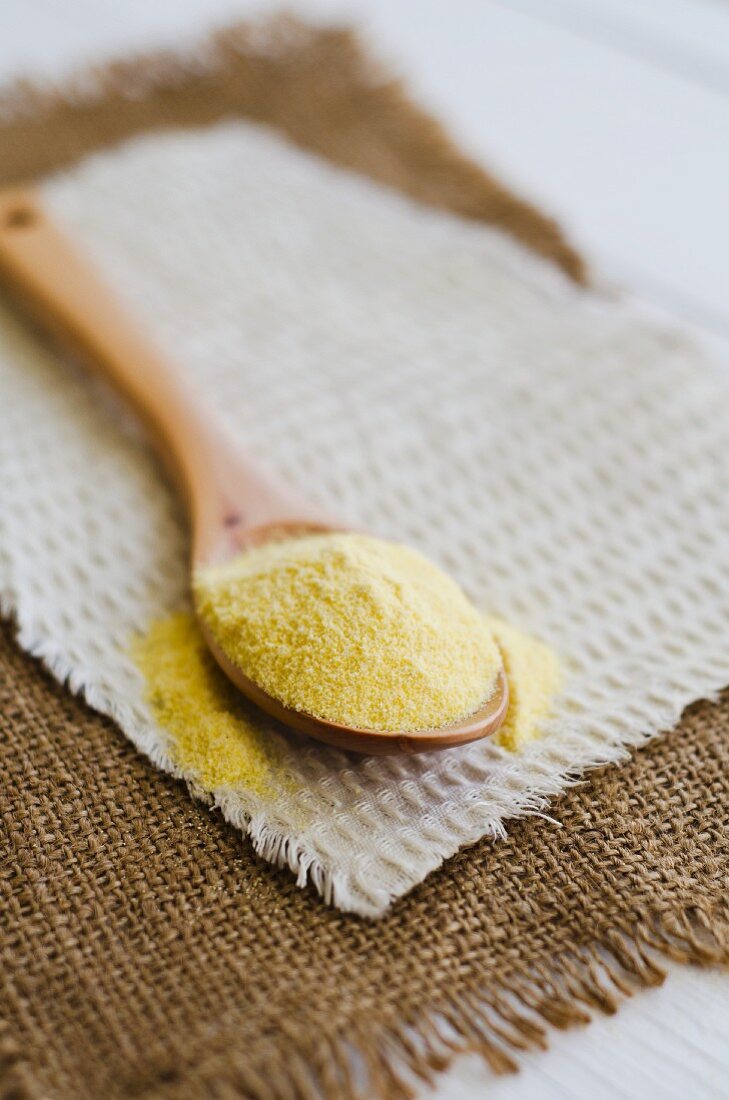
614,116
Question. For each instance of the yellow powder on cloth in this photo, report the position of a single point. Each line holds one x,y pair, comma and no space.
534,676
217,736
223,741
352,629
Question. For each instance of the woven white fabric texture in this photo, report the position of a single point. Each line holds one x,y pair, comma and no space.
565,458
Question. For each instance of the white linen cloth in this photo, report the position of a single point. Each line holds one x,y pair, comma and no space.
563,456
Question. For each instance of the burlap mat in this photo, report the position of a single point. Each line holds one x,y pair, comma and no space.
145,951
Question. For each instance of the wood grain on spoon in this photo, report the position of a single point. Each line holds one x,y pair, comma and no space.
233,503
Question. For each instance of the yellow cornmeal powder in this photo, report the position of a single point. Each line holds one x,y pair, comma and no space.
216,735
534,676
353,629
224,742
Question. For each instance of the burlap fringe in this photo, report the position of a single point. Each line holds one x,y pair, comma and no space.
393,1061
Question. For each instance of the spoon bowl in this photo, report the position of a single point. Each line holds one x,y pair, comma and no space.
233,503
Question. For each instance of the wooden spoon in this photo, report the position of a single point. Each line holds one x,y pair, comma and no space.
233,504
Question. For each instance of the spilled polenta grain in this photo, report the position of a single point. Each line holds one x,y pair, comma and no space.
223,741
534,676
217,736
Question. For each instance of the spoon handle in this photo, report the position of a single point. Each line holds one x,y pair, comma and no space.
56,284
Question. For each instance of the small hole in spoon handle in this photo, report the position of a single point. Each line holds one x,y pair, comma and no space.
20,217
